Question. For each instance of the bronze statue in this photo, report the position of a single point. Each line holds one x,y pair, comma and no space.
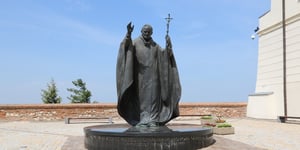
148,84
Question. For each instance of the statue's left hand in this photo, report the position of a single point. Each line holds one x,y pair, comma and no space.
168,42
168,38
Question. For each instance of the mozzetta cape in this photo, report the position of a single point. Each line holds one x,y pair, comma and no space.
170,88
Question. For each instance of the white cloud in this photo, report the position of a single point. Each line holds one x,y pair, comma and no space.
88,32
61,26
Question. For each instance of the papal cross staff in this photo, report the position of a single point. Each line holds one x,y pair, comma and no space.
168,23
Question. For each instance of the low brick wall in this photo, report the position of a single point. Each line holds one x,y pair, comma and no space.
228,110
50,112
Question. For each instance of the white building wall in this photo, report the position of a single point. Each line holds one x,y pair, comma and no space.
270,63
293,68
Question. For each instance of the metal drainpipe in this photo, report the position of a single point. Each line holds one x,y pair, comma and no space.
284,59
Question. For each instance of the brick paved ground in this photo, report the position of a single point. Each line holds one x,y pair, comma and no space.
249,134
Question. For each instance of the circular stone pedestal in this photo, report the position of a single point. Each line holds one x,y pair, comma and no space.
124,137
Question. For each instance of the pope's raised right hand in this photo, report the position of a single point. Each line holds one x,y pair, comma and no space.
130,28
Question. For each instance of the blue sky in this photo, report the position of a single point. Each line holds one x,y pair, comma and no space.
71,39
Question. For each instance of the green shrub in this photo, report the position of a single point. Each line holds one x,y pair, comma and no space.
224,125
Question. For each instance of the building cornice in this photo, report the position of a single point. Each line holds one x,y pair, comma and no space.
278,25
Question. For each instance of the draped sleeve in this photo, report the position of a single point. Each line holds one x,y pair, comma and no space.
127,100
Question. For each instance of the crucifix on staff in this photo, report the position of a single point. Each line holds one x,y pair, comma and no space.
168,19
168,39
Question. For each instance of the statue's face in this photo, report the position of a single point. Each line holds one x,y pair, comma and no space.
147,32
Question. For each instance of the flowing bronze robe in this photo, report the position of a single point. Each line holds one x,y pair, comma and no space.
148,84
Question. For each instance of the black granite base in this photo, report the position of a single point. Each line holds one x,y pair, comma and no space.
124,137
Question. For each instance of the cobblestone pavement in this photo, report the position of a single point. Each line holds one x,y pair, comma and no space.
268,134
249,134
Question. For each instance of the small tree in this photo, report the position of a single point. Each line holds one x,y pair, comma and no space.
81,95
50,95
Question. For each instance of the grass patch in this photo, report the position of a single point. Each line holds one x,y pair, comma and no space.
206,117
224,125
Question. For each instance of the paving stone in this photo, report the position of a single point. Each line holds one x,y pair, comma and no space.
250,134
